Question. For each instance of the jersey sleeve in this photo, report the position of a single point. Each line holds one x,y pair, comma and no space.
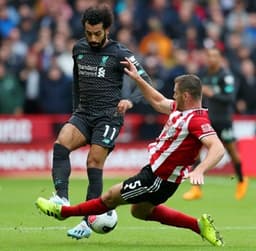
75,89
136,94
173,106
75,86
227,89
200,127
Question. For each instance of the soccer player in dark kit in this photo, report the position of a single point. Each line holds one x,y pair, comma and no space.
98,107
219,96
171,155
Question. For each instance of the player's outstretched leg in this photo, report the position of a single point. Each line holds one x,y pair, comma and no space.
49,208
208,230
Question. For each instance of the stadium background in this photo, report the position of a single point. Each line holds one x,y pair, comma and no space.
36,39
36,36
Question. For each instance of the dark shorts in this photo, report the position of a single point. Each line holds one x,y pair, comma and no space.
224,131
102,130
147,187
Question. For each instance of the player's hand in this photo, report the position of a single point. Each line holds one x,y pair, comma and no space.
124,105
207,91
130,69
196,177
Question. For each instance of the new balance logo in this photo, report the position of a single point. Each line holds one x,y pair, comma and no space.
101,72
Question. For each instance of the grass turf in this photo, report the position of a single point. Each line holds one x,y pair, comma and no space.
22,227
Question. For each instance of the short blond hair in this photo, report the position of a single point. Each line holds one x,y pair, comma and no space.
190,83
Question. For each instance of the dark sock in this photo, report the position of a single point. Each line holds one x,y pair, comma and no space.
95,186
61,169
91,207
238,170
171,217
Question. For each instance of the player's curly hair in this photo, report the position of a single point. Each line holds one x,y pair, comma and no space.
98,14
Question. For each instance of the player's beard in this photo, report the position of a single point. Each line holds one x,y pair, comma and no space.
98,46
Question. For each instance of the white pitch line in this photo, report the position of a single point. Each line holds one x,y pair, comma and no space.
31,229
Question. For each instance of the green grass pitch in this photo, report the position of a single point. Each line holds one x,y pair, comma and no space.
23,228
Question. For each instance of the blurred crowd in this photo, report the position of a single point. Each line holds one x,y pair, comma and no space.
168,36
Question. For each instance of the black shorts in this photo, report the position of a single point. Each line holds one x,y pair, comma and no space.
102,130
224,131
147,187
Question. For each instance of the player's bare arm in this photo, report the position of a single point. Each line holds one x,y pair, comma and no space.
215,152
155,98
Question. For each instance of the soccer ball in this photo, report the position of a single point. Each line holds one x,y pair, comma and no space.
103,223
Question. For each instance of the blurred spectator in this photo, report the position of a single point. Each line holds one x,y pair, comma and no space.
150,127
125,36
179,68
191,40
11,93
64,58
249,34
153,28
247,89
214,37
11,10
234,43
43,47
124,20
226,5
215,14
237,19
6,22
28,24
30,77
160,10
54,11
75,20
153,66
156,43
18,49
8,57
55,92
186,19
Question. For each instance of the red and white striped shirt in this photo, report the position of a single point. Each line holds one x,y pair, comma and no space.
178,145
